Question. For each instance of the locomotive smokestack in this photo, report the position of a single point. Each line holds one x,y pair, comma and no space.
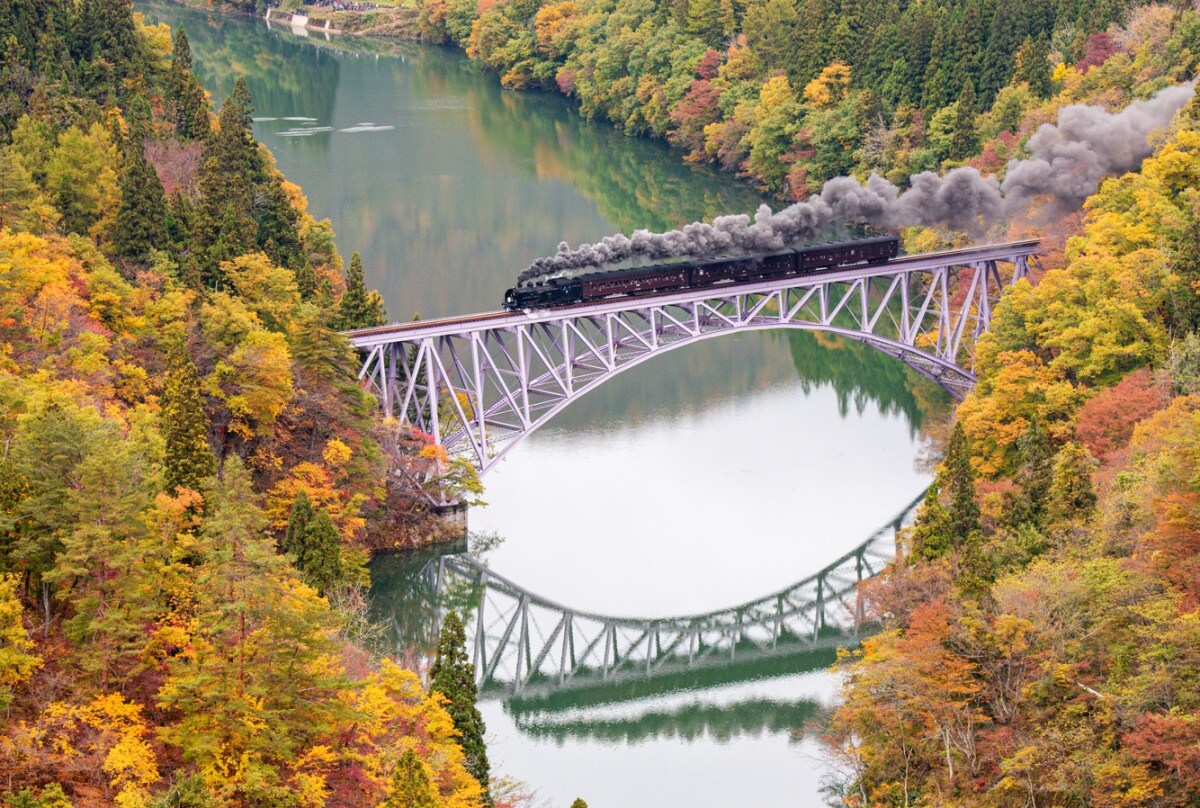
1068,160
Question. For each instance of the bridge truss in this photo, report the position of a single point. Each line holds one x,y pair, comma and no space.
480,384
524,644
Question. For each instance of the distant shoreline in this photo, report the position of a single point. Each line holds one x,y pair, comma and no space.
396,23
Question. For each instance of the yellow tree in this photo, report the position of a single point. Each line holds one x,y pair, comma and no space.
259,681
81,177
398,715
16,663
829,88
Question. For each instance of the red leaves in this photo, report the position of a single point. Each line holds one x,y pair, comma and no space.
1099,47
1107,420
1170,742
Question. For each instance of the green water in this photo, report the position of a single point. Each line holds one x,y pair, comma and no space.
703,479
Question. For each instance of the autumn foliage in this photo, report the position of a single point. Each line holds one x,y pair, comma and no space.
1049,657
170,388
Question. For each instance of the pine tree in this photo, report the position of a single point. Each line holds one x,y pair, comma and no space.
225,225
975,570
17,191
931,530
140,119
298,521
319,556
306,280
453,675
185,97
1184,244
1033,476
1033,66
579,803
142,216
963,513
278,225
1072,495
358,307
263,650
964,141
411,786
704,21
188,459
105,44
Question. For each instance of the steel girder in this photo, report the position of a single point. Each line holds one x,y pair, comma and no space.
480,384
522,643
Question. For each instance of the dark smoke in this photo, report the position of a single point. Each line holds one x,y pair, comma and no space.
1069,159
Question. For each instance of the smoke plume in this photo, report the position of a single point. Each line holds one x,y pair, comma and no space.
1068,161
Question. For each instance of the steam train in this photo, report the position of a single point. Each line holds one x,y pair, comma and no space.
670,277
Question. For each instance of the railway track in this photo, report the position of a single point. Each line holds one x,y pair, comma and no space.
369,335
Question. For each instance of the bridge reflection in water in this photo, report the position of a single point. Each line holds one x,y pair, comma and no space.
539,656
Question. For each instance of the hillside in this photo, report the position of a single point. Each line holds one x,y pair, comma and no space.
191,475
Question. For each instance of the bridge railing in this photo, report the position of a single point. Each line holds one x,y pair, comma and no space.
480,384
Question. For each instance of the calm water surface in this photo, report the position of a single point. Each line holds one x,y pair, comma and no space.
708,477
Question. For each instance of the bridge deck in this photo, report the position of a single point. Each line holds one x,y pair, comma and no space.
382,335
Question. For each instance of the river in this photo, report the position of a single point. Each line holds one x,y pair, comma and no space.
708,477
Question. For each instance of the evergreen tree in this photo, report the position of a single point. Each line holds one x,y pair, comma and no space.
263,651
278,225
1033,66
138,117
704,22
225,226
181,218
298,521
964,141
1034,476
579,803
770,27
975,570
306,280
186,102
1184,244
1072,495
105,44
1003,40
359,308
319,556
453,675
963,514
411,786
188,459
931,530
141,223
17,191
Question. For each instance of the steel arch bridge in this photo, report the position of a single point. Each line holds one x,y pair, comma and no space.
479,384
528,646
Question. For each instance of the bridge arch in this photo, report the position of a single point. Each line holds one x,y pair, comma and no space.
951,377
524,644
481,384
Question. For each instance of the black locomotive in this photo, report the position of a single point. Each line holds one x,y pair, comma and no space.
669,277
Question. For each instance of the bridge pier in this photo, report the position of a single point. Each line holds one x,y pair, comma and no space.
454,514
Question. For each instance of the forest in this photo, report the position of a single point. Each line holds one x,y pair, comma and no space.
791,93
1038,631
191,478
1039,627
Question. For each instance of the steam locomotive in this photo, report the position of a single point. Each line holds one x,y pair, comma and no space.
670,277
